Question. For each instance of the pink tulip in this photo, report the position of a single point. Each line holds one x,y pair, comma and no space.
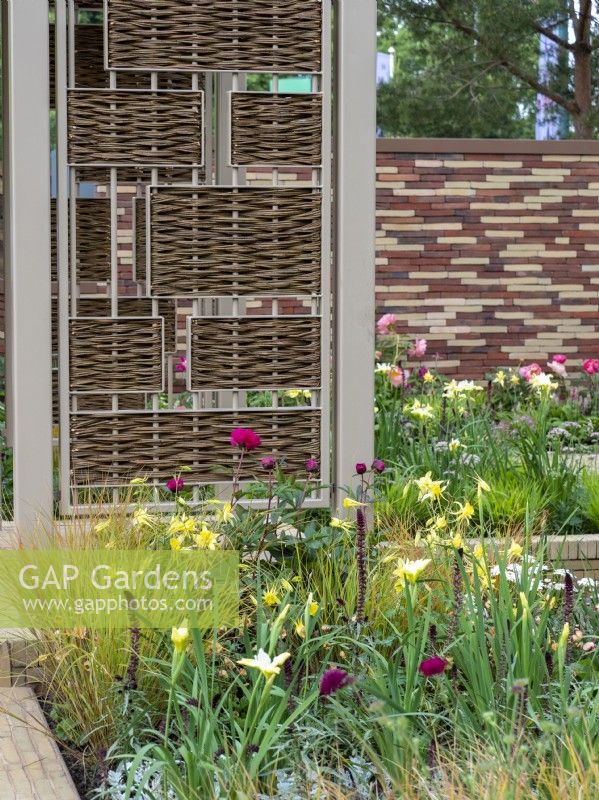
528,371
559,359
418,349
386,324
557,367
591,366
398,377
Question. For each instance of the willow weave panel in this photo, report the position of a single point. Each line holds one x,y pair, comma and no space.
113,448
276,129
222,241
93,239
133,307
246,35
115,355
121,127
103,402
246,353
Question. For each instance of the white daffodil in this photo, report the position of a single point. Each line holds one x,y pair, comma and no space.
268,666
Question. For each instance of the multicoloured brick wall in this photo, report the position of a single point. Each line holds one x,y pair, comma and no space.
490,252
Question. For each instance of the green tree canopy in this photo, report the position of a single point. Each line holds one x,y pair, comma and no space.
470,67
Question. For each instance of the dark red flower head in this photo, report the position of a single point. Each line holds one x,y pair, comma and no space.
378,465
361,468
433,666
312,465
245,438
334,679
175,484
268,463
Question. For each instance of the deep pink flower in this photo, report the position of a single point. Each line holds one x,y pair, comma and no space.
591,366
181,365
245,438
398,376
528,371
558,368
361,468
386,324
175,484
434,665
559,358
334,679
378,465
418,349
268,462
312,465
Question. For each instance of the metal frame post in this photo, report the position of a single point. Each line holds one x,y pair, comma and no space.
355,231
27,204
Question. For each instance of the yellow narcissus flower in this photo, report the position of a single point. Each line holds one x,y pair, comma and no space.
300,629
206,540
515,379
267,666
464,512
438,523
499,378
479,552
270,598
180,638
428,377
428,488
344,524
226,514
454,445
457,541
176,542
543,383
349,502
141,518
411,570
419,410
312,606
515,551
481,486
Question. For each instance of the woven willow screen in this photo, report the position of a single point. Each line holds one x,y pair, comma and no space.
177,296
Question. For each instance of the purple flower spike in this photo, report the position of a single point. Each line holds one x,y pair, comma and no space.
334,679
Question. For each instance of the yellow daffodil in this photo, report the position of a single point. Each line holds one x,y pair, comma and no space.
515,379
419,410
205,539
141,518
180,638
349,502
543,383
428,488
454,445
499,378
464,512
176,542
457,541
270,598
300,629
286,585
411,570
292,393
481,486
428,377
438,523
515,551
267,666
225,514
344,524
312,606
479,552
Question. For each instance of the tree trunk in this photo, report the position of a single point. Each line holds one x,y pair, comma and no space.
583,77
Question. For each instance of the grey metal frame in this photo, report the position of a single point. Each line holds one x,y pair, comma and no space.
27,205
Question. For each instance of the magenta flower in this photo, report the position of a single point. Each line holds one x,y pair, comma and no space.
418,349
181,365
333,680
558,358
245,438
434,665
268,463
529,371
312,465
361,469
175,484
386,324
399,377
378,465
591,366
